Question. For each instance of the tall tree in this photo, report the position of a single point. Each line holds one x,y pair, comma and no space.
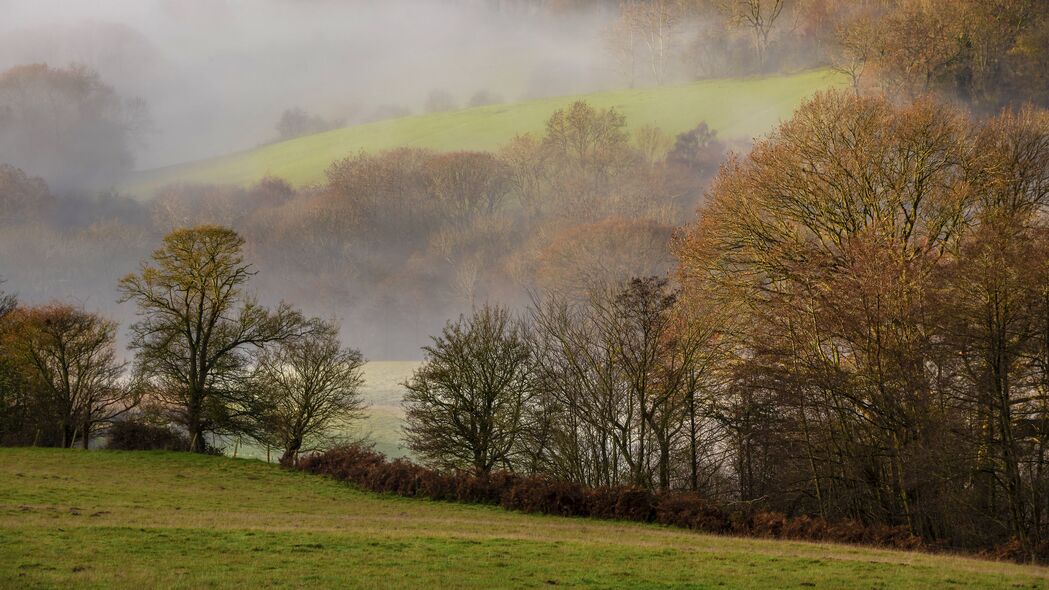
197,327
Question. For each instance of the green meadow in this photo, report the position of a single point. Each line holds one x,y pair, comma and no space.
107,519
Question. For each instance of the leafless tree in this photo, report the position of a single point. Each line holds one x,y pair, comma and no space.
306,388
465,406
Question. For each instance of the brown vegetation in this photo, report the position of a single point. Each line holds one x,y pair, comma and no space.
371,471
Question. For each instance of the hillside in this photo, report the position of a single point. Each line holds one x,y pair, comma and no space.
144,520
736,108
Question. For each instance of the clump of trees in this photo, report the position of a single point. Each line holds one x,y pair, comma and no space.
209,361
857,334
295,122
883,272
986,54
398,235
68,126
440,101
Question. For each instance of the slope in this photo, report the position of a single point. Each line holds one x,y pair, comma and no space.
736,108
143,520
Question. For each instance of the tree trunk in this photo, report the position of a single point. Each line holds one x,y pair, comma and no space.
290,457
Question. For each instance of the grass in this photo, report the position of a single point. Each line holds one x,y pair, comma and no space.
736,108
142,520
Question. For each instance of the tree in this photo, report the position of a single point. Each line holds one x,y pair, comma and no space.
68,126
8,301
466,184
759,16
306,386
22,197
580,258
197,326
650,27
464,408
697,150
295,122
69,357
652,143
856,48
624,43
483,98
13,403
440,101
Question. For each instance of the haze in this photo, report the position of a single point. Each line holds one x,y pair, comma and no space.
216,74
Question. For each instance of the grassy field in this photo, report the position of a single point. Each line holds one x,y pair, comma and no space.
103,519
736,108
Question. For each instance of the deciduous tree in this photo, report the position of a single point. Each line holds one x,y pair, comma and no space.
197,327
465,406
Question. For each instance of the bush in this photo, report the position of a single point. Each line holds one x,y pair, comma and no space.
131,435
368,469
691,512
546,496
635,504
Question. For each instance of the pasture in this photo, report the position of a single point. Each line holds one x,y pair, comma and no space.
102,519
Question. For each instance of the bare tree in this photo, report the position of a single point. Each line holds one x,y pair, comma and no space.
465,406
857,46
650,28
307,387
759,16
8,301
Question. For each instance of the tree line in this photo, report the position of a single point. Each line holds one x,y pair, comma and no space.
857,328
986,54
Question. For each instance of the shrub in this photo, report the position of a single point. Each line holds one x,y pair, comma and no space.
546,496
132,435
692,512
601,502
368,469
635,504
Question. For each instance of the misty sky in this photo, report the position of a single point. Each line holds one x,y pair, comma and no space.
218,73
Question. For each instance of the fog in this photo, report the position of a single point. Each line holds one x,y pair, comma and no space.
215,77
216,74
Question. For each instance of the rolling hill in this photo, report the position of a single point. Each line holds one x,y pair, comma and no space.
102,519
736,108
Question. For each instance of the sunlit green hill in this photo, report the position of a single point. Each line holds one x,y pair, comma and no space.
736,108
102,519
